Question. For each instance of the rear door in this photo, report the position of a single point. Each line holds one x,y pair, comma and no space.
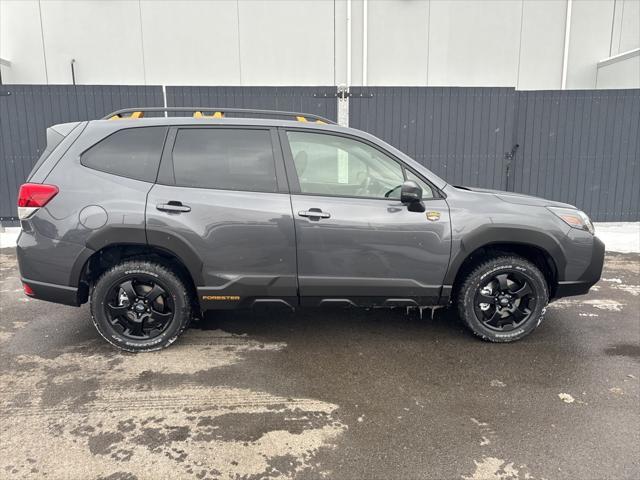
357,243
222,203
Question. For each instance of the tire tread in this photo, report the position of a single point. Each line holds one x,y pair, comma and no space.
494,262
164,271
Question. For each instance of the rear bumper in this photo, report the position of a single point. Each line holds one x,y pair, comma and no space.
51,268
54,293
589,277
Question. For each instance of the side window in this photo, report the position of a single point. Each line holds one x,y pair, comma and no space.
333,165
224,158
427,192
132,152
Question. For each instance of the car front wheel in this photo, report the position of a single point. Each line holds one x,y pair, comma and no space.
503,299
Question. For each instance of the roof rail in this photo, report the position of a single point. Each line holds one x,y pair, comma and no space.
138,112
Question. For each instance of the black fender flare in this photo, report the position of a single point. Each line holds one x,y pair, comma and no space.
104,237
165,240
495,234
170,241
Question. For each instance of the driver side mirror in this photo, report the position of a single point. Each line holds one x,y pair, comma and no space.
411,195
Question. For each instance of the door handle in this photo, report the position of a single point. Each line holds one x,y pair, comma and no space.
173,207
314,213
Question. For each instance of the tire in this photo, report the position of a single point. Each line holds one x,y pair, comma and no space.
482,299
135,284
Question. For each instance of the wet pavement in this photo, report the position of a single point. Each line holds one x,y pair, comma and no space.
325,394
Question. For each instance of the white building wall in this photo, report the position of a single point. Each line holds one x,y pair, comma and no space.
21,42
591,24
474,43
103,37
516,43
627,19
398,42
541,44
286,43
622,71
183,42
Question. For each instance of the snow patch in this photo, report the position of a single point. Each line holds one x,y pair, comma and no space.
492,468
623,237
610,305
566,398
192,421
9,237
601,304
632,289
479,423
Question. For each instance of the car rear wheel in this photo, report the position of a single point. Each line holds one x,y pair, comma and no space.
503,299
140,306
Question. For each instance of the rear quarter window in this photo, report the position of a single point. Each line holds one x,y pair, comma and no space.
132,153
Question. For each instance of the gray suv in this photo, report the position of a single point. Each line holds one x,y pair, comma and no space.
155,220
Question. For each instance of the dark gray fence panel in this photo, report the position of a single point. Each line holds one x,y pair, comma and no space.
27,110
581,147
461,134
317,100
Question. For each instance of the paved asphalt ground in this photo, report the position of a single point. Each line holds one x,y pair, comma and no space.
325,394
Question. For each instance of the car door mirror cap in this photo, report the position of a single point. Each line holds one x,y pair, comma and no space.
410,192
411,195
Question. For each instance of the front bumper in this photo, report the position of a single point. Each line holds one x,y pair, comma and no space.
589,277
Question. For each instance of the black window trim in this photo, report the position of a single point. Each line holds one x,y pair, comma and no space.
166,174
292,174
155,177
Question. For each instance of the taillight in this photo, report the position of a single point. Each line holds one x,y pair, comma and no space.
33,196
27,289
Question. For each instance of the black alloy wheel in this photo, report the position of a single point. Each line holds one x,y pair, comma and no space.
505,302
139,308
503,298
141,304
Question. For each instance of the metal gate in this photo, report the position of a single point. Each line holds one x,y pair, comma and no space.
461,134
580,147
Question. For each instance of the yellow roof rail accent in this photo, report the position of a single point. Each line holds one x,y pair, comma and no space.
133,115
300,118
218,112
213,115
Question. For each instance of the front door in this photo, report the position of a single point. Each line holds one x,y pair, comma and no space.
356,242
222,204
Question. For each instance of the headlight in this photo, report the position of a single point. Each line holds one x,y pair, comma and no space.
574,218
